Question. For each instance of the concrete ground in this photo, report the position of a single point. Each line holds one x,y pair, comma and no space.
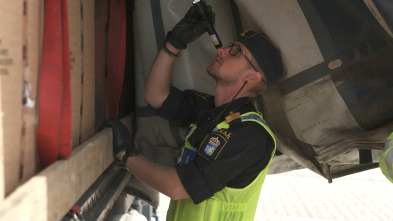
305,196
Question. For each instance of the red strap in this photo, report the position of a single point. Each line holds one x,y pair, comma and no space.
116,54
75,209
54,123
76,212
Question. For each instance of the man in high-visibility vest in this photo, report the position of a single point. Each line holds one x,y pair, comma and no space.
229,147
386,159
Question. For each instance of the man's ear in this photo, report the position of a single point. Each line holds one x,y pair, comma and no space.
254,76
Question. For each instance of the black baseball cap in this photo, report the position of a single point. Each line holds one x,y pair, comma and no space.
267,56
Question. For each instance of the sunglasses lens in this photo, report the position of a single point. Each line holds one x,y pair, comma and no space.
234,50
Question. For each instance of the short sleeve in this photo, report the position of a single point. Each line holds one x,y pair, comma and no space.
182,107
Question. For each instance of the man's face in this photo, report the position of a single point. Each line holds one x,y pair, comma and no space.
229,67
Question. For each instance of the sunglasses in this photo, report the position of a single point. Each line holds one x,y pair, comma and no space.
235,50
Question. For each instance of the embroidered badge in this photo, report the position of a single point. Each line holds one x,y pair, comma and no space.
225,132
214,142
212,145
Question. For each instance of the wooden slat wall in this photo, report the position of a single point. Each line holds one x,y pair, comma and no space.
50,194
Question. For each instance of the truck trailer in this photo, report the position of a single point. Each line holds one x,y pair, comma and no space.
67,65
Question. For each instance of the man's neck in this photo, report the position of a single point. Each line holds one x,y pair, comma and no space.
224,94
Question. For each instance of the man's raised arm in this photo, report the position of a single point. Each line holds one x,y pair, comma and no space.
191,27
158,83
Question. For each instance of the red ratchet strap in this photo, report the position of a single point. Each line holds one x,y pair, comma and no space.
116,54
54,123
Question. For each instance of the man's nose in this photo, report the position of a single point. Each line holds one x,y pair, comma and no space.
222,51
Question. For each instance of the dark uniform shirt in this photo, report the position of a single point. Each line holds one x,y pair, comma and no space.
242,153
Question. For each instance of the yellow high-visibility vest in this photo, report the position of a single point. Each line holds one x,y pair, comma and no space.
229,204
386,159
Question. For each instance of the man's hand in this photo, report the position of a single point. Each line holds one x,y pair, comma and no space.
191,27
122,139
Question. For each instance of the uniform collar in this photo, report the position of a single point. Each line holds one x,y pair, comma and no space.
241,105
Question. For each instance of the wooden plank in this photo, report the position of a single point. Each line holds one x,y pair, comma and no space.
50,194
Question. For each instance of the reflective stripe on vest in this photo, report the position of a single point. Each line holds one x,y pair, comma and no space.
230,203
386,159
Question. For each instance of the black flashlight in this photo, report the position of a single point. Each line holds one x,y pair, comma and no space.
210,28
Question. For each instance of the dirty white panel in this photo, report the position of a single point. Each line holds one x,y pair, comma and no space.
145,46
284,23
318,115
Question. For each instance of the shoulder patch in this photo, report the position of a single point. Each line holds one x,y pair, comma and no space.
212,145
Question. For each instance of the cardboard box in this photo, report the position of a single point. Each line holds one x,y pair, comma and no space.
20,37
33,26
81,39
88,111
75,42
11,75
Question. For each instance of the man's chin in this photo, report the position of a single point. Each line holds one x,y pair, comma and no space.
214,76
212,72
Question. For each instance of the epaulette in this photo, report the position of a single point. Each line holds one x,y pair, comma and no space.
232,116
